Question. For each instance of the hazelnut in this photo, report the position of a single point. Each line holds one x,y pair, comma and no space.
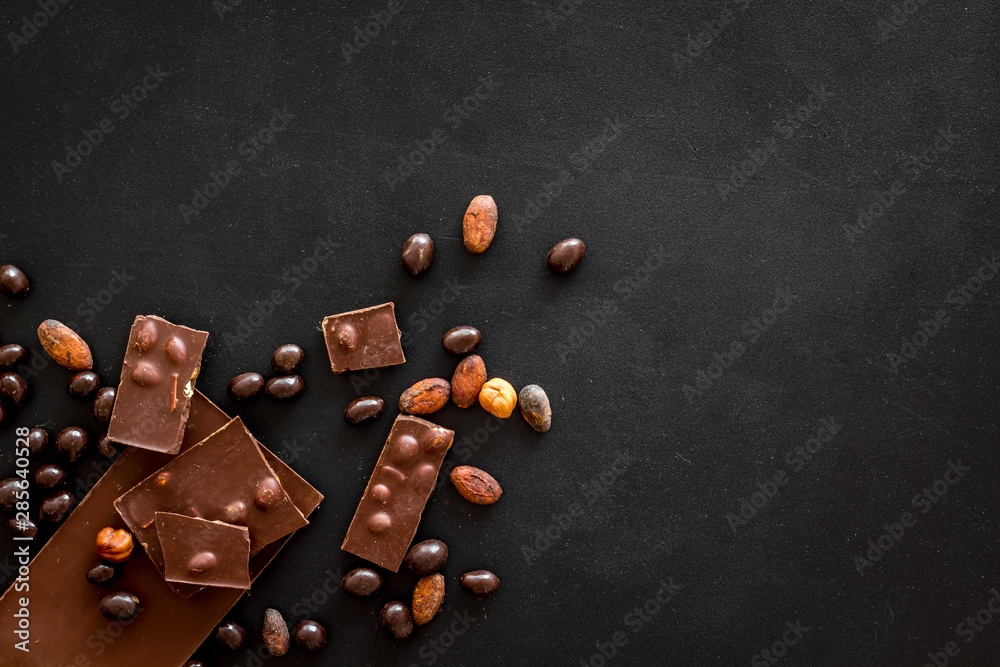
114,546
498,398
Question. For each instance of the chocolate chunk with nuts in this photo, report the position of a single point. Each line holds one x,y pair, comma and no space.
479,224
428,596
475,485
275,633
425,397
535,409
65,346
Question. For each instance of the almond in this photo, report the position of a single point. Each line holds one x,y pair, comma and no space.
469,377
477,486
425,397
428,596
479,224
65,346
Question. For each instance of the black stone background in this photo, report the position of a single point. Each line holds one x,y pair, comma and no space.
678,265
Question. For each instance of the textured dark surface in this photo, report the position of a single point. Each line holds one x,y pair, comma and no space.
682,255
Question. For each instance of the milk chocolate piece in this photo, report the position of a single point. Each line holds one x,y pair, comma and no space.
405,475
68,629
366,338
154,395
205,553
218,479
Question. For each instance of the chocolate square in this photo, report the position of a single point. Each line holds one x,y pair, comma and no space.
366,338
223,478
404,478
154,394
203,553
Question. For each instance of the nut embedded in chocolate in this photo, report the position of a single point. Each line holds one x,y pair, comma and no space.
275,633
106,448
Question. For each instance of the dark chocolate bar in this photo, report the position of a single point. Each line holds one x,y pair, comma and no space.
223,478
366,338
404,477
66,626
154,395
203,553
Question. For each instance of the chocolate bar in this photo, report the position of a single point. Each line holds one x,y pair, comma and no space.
404,477
66,626
366,338
203,553
223,478
154,395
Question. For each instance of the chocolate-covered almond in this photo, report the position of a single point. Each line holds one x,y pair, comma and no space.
10,489
120,606
49,476
287,359
13,281
231,635
56,507
566,255
363,409
246,386
104,573
24,528
71,442
427,556
13,387
11,355
361,582
284,387
395,618
480,582
104,403
83,384
418,252
461,340
38,441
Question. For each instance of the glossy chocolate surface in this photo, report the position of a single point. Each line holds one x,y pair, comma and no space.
366,338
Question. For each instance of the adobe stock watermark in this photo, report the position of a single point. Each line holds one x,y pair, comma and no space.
958,297
751,331
294,276
374,24
560,11
435,648
247,152
785,128
223,7
580,161
121,108
31,25
900,16
596,317
892,533
913,170
796,459
635,620
967,630
697,46
779,648
590,492
453,118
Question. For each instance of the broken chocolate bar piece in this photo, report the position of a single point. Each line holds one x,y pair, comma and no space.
223,478
154,395
66,626
366,338
203,553
405,475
